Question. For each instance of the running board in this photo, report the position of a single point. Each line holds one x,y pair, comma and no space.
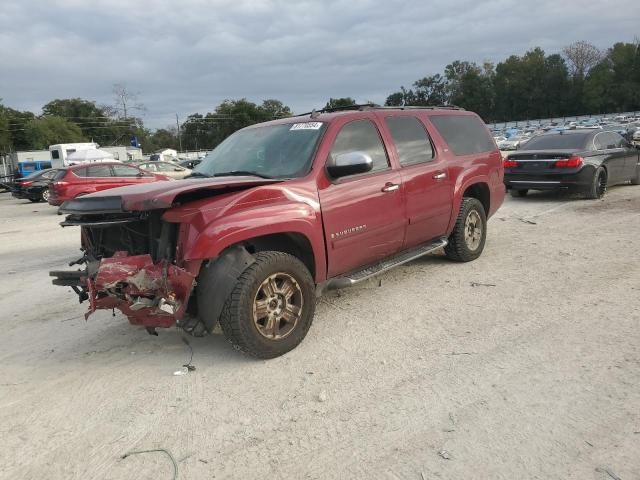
384,265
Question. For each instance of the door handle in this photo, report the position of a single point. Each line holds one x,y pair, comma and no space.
390,187
440,176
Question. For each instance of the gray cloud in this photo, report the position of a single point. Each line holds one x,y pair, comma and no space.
188,56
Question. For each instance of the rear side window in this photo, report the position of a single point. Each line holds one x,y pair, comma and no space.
465,134
60,174
98,171
125,171
361,136
411,140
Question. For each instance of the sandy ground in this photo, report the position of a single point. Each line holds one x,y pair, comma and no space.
535,373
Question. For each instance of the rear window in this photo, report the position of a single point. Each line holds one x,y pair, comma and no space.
557,142
465,134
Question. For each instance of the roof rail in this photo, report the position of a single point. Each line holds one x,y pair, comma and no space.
372,106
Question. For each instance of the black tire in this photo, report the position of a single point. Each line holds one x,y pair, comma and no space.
237,318
44,195
598,187
34,200
519,192
458,248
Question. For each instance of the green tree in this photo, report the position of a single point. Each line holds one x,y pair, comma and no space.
46,131
164,138
339,102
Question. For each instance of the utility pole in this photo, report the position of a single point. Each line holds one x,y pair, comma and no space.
179,135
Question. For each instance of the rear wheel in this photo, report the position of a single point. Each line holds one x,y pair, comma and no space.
598,187
270,310
519,192
467,240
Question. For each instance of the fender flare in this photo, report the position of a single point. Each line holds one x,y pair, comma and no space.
216,281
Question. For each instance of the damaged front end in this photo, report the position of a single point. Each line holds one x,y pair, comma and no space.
130,264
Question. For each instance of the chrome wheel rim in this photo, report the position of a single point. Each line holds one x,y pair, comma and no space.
45,195
473,230
277,306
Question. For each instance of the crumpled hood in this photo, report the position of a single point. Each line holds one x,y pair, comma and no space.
156,195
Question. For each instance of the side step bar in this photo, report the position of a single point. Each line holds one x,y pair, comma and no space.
383,265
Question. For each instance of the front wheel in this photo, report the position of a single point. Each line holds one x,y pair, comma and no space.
598,186
467,240
270,310
45,195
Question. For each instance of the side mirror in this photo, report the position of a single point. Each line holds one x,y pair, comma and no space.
349,164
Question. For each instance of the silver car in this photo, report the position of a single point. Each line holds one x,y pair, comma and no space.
169,169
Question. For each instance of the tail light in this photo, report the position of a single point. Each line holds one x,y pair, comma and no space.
510,164
571,162
57,185
27,183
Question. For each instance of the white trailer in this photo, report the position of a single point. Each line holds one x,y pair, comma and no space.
61,151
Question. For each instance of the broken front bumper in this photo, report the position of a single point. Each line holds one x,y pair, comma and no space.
149,294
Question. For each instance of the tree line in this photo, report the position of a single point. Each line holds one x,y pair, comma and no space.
581,80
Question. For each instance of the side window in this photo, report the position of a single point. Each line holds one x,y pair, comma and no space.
617,140
150,167
165,167
98,171
125,171
411,140
465,134
79,172
55,154
599,141
361,136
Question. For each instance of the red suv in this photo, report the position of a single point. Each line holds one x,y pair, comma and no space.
282,211
90,178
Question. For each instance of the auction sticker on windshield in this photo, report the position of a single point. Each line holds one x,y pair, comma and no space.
306,126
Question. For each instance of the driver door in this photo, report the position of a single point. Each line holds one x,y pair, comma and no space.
363,214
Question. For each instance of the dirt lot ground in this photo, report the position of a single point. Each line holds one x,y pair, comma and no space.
523,364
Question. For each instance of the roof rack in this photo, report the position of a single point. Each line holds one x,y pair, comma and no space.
373,106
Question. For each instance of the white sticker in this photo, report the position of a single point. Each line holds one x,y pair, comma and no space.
306,126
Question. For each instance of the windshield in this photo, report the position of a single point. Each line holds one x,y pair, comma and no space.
275,151
557,141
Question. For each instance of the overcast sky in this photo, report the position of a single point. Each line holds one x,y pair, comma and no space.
186,56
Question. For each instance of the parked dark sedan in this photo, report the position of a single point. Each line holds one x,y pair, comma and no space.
585,161
35,187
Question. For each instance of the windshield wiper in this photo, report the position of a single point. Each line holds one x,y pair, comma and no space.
197,174
239,173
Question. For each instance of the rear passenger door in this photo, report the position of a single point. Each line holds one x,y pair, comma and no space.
614,156
99,177
426,182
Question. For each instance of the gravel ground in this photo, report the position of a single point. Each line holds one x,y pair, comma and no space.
522,364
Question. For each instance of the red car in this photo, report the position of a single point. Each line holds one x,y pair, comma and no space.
90,178
282,211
